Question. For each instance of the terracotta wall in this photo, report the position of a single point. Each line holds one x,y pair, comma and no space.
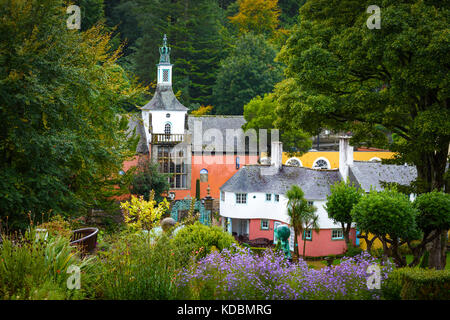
220,169
320,245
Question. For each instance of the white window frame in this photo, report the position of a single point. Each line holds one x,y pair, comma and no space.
241,198
324,159
268,197
335,237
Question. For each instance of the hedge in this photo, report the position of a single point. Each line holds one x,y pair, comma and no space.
417,284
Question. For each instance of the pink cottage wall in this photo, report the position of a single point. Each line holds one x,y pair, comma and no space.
320,245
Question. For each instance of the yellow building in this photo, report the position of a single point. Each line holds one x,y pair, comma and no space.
331,158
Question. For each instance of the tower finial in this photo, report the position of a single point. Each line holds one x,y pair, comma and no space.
164,52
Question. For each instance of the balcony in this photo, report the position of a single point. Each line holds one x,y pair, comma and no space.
161,138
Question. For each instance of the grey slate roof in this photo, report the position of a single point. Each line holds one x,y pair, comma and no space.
221,123
136,123
367,174
314,183
164,99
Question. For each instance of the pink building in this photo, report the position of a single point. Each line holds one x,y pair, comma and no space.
253,201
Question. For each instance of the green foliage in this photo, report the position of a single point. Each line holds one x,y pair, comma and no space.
302,214
353,251
259,113
146,178
417,284
347,77
344,196
61,142
139,267
247,72
193,29
197,237
434,208
36,269
91,12
141,215
386,213
197,189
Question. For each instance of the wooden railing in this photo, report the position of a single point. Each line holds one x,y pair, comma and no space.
85,239
158,138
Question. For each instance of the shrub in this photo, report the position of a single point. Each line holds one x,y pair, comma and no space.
353,251
36,269
199,239
141,214
417,284
139,266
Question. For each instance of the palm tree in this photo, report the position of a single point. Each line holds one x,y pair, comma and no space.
303,217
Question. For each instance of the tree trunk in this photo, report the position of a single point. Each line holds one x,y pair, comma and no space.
296,249
431,176
438,251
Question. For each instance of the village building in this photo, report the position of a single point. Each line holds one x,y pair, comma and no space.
253,202
164,126
213,153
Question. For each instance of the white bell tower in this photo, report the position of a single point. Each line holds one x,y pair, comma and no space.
164,66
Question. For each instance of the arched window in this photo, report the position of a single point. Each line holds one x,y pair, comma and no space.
203,175
321,163
167,128
295,162
375,159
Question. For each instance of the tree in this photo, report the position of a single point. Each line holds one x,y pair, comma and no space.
247,72
303,217
62,143
344,196
346,76
91,12
389,215
259,113
193,30
257,16
147,178
434,220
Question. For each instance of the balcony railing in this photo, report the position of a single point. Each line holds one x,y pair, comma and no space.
161,138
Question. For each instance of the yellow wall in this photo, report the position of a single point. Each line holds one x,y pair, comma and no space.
309,158
375,245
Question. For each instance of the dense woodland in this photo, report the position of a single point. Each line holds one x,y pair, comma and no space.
220,48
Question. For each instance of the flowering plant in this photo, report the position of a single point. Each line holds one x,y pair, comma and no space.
238,274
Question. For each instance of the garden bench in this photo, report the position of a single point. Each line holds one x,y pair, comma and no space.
260,242
85,239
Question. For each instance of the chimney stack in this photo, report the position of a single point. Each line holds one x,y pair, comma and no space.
345,156
276,154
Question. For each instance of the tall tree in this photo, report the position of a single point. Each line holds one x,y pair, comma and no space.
193,30
62,143
260,113
344,196
346,76
257,16
303,217
247,72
